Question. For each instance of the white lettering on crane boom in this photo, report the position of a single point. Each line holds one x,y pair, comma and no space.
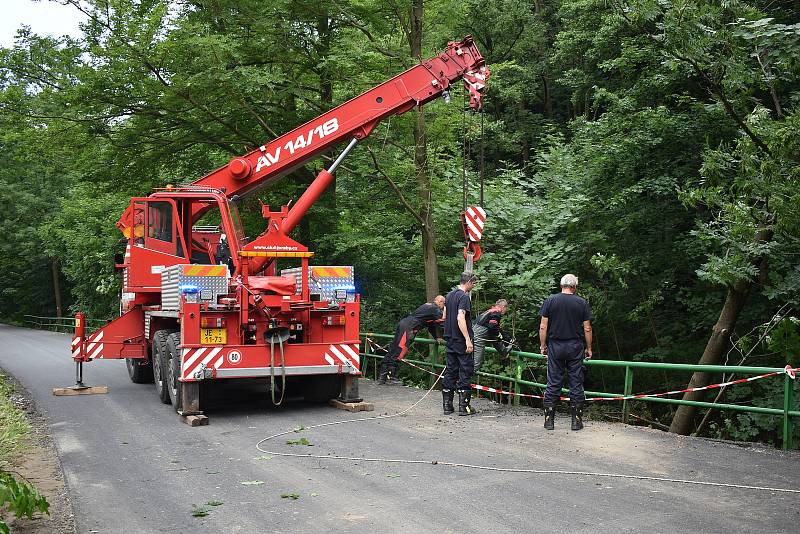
267,159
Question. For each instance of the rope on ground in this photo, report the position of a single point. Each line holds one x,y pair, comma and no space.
486,467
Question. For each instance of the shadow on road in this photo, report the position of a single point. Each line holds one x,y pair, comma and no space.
242,397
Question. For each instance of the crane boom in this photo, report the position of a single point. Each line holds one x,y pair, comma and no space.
354,119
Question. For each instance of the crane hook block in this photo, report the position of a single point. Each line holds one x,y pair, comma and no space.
474,249
239,168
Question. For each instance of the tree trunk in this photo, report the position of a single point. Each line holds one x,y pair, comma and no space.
547,97
718,343
415,30
323,48
56,285
325,33
421,165
426,212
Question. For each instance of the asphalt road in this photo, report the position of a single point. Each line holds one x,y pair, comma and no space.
131,466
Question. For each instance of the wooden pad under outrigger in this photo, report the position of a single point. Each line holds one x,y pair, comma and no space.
352,406
80,390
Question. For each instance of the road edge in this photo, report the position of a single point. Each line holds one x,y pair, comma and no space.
43,449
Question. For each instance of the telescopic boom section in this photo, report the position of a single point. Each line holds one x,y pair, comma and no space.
355,118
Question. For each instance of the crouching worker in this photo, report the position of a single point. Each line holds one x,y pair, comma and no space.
487,330
428,315
565,327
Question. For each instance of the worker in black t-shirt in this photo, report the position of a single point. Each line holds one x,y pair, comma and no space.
487,331
459,343
565,338
428,315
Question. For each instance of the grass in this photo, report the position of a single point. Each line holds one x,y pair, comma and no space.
14,428
18,496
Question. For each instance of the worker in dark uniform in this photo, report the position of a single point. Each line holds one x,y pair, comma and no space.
428,315
487,330
223,254
458,338
565,335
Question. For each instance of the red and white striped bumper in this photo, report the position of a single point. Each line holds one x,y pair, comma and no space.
253,361
94,346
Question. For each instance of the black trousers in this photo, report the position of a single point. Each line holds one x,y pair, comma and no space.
459,369
403,337
564,357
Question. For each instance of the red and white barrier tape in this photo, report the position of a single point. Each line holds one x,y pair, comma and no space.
789,370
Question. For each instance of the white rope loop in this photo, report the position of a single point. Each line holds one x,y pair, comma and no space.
491,468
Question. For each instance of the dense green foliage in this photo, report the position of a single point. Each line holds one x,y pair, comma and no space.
650,147
16,496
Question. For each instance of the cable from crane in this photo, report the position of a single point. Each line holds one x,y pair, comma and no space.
482,162
464,153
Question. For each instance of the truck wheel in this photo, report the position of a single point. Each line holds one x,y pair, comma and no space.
160,359
138,372
173,370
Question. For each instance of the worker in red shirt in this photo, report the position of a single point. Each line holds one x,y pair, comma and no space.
428,315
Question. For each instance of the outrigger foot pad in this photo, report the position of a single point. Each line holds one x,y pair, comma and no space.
80,390
359,406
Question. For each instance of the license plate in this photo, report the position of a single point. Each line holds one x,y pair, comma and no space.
213,336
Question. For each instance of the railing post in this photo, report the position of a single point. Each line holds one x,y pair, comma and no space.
788,404
366,356
628,391
517,378
433,350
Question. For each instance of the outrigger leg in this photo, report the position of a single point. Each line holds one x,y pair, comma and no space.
79,354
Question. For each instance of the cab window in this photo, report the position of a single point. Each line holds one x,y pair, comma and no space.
159,221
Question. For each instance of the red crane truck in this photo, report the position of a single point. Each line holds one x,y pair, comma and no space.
200,302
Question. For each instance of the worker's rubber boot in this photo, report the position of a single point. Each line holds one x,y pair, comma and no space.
549,417
577,416
388,378
392,380
464,408
447,401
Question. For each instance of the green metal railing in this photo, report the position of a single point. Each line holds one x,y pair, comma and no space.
787,412
61,324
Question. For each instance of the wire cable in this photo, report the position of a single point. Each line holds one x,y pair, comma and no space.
491,468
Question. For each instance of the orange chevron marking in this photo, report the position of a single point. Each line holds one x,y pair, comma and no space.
204,270
325,272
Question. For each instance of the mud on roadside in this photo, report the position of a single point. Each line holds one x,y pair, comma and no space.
41,466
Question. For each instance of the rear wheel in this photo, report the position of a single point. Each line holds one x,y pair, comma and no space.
139,370
160,360
173,371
